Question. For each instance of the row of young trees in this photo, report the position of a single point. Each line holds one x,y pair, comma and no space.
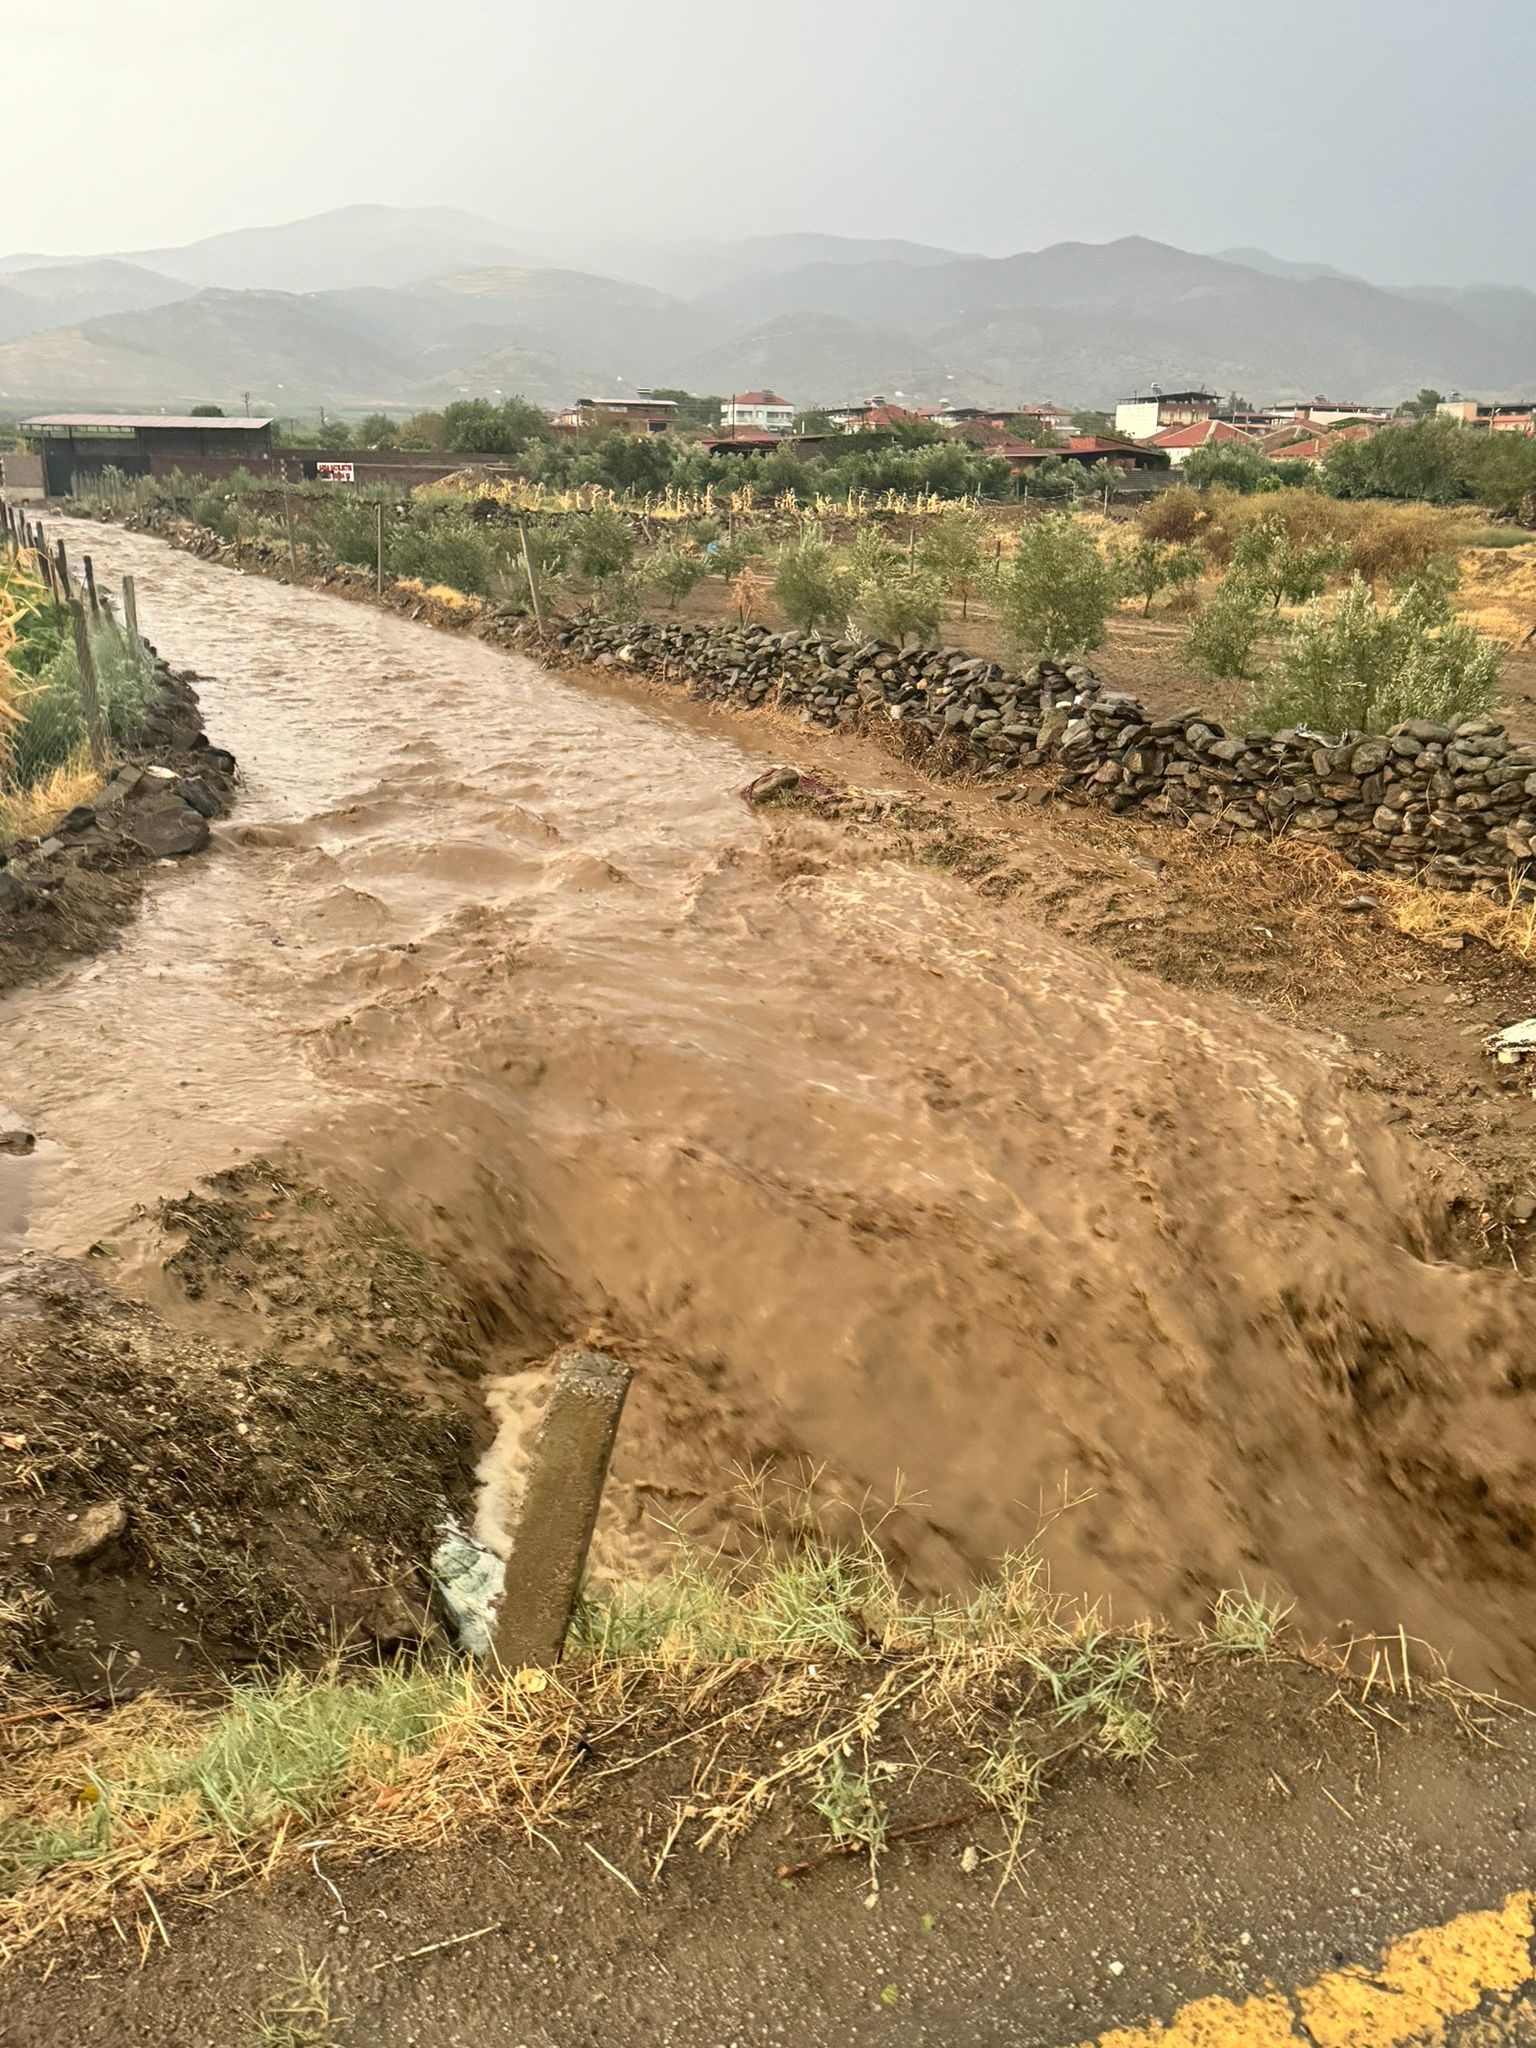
1363,665
1054,592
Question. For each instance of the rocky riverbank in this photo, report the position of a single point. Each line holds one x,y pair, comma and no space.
65,891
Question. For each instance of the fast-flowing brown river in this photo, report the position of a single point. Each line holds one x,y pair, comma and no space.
875,1171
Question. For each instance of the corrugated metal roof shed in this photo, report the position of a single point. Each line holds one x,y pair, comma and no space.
199,421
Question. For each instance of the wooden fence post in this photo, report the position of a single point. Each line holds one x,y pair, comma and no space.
63,568
90,696
90,585
533,581
378,550
47,568
136,645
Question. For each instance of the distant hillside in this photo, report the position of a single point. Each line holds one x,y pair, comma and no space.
516,372
58,295
288,351
1093,320
377,305
1280,266
354,245
630,327
819,358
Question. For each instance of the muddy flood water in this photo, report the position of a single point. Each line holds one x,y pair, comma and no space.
871,1170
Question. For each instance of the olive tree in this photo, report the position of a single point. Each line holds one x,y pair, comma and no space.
1055,595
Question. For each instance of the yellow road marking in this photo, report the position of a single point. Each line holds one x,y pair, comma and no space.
1422,1983
1215,2023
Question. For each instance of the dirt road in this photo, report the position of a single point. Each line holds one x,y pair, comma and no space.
857,1164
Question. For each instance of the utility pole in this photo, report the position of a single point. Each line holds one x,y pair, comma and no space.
247,397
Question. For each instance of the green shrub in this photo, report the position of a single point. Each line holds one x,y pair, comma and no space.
52,730
901,608
874,557
1234,467
956,548
1152,567
605,543
445,548
1282,568
729,558
807,583
1223,637
1055,596
1368,666
1423,460
674,572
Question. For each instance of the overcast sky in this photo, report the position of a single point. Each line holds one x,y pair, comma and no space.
1390,137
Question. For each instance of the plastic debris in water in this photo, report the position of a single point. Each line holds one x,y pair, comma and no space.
469,1577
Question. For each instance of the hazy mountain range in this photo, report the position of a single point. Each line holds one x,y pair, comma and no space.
397,308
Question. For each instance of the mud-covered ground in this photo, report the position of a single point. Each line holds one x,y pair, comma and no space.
1026,1154
1008,1149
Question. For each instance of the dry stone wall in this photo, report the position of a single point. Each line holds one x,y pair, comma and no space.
1454,801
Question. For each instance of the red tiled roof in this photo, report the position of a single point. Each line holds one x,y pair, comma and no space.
1198,434
1314,449
757,398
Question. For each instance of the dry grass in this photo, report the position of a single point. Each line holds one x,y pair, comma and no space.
1435,917
28,813
303,2014
797,1681
1498,592
799,1677
22,598
454,602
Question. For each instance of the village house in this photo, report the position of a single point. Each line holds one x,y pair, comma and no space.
1146,415
956,418
744,441
869,415
1518,417
1333,412
1053,417
1179,443
764,411
1087,449
622,415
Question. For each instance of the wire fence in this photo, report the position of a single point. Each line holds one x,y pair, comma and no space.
75,673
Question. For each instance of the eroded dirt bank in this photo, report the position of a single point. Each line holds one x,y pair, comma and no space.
855,1163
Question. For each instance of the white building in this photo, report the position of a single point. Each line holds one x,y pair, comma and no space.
764,410
1333,412
1141,417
